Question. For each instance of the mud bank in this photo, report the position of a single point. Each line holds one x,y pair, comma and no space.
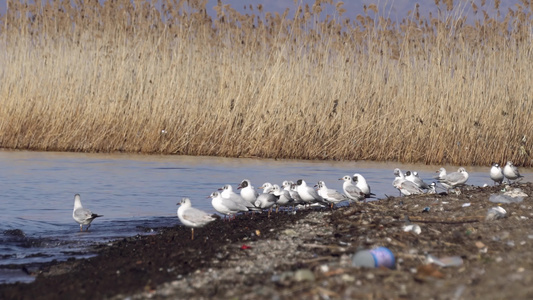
309,255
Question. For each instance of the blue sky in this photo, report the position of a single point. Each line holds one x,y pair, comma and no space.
395,9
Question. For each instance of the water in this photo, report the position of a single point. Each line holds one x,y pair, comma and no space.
137,193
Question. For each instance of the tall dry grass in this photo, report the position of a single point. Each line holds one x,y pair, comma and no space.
127,76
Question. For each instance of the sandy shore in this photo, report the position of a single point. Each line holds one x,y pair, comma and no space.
309,255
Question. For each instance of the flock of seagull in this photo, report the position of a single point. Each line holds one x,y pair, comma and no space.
290,194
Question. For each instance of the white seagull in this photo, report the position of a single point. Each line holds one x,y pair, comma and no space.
227,192
442,173
192,217
351,190
496,173
414,178
330,195
407,187
284,196
307,193
398,178
432,188
291,187
82,215
454,179
225,206
361,183
510,172
248,191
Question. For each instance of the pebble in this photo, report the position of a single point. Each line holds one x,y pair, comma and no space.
304,275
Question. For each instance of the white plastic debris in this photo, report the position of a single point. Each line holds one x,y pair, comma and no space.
450,261
496,213
515,195
412,228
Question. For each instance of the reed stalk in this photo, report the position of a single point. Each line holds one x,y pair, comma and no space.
165,77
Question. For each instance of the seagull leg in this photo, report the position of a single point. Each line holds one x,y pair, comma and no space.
81,227
87,229
192,234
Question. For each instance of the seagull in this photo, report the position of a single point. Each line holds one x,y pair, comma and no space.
454,179
496,173
82,215
225,206
330,195
192,217
510,172
442,174
227,192
350,189
267,187
307,193
248,191
291,187
284,196
361,183
266,200
407,187
398,178
414,178
432,188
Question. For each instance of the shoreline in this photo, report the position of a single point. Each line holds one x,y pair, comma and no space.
308,255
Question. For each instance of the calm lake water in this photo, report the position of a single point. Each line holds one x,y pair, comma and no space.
137,193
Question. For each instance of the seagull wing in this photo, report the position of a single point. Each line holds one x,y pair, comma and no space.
197,216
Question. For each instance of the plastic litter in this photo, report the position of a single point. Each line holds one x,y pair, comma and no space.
449,261
412,228
497,198
495,213
515,195
374,258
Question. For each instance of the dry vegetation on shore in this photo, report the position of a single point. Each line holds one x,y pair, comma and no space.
83,76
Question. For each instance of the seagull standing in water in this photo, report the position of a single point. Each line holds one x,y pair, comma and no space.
414,178
192,217
496,173
398,178
82,215
442,173
510,172
361,183
407,187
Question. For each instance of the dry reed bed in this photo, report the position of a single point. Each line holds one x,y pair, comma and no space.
111,77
